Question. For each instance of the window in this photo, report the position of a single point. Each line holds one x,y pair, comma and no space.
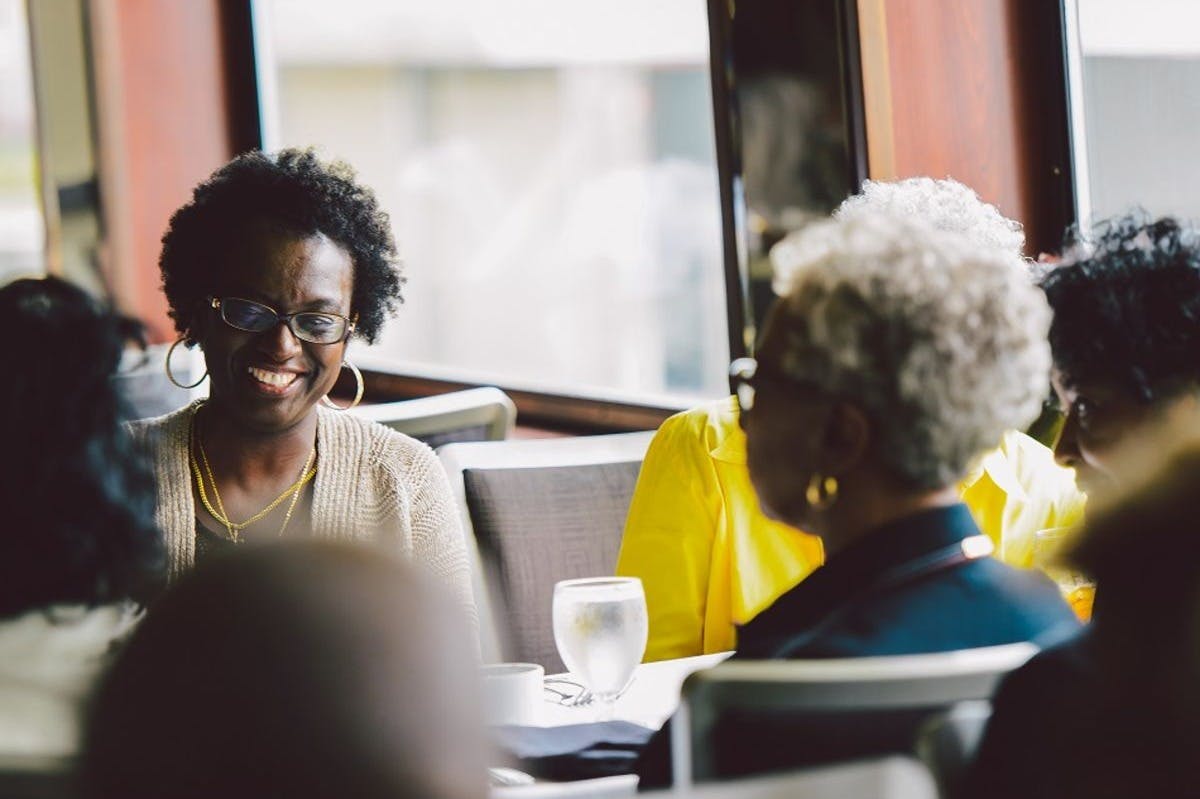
550,172
1135,86
21,230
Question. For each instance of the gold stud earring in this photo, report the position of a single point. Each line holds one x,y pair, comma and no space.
822,492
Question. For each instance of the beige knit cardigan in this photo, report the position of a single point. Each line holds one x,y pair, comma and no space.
372,484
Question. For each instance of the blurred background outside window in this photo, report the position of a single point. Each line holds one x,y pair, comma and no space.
550,172
1136,105
22,232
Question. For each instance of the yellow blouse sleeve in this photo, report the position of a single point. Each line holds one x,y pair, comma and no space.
669,535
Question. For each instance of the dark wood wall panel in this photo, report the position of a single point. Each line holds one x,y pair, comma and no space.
164,121
971,89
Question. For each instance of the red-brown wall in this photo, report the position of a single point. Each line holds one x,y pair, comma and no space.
164,121
971,89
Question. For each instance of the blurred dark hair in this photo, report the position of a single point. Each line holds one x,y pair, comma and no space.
295,192
292,669
78,522
1126,302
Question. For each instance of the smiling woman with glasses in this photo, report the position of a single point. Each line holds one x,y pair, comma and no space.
277,261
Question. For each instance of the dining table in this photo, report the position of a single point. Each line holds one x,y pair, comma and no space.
651,697
649,700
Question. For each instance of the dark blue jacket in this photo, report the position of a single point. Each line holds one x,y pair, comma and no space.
894,592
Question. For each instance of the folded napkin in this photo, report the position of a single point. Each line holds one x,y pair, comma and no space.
575,751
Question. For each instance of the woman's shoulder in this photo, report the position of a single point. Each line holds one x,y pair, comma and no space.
147,431
711,419
710,430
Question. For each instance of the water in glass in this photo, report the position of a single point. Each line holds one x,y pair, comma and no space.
600,628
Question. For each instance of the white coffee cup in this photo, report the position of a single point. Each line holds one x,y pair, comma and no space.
512,693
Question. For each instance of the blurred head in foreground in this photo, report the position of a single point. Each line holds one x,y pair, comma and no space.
895,354
304,669
78,507
1138,541
1125,335
1139,544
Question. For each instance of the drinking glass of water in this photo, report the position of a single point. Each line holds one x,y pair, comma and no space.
600,629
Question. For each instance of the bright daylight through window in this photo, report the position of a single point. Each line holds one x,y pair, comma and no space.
550,172
1136,104
21,231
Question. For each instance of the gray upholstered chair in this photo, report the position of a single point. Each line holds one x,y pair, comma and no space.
539,511
477,414
750,716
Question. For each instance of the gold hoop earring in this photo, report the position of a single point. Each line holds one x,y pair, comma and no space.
821,492
171,375
358,394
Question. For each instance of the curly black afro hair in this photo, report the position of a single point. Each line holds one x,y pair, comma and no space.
1126,302
295,191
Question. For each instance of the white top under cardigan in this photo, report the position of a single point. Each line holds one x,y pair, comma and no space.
372,484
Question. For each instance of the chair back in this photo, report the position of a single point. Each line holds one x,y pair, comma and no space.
477,414
891,777
947,743
540,511
623,786
882,778
746,717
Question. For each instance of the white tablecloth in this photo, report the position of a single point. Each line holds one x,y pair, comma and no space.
650,699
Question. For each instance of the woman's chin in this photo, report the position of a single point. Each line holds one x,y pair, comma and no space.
268,408
1094,482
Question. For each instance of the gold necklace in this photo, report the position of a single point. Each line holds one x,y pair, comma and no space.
292,506
305,475
307,472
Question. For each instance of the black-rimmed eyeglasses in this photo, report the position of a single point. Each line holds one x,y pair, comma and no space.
316,327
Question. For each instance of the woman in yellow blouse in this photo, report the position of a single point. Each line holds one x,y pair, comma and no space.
707,556
710,559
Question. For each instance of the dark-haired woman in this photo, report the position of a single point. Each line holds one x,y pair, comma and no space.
78,543
1125,338
271,268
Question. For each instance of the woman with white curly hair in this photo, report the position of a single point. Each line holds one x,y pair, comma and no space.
710,560
895,355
